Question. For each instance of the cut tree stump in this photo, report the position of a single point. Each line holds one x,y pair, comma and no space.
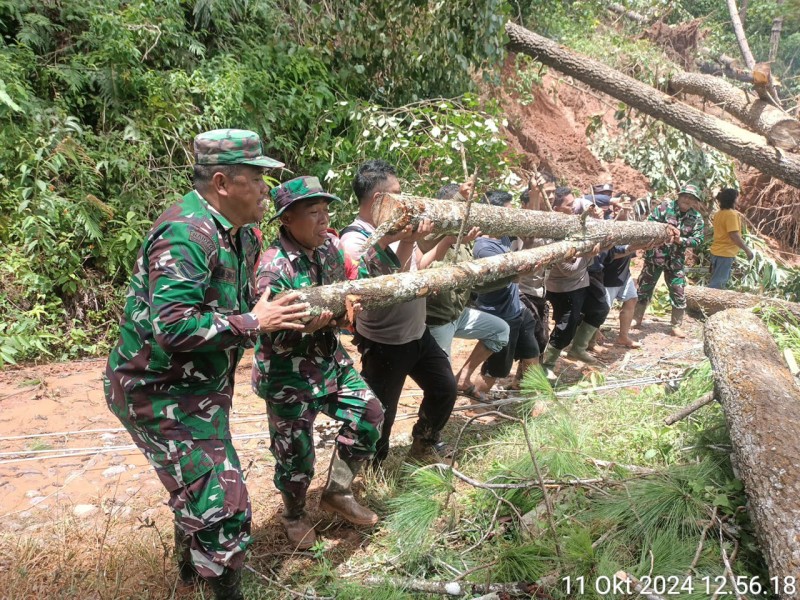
761,401
705,301
735,141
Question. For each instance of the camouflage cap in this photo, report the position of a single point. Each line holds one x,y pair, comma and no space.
231,147
294,190
691,190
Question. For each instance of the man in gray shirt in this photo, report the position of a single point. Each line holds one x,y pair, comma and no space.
395,342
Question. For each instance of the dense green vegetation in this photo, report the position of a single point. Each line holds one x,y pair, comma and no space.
99,101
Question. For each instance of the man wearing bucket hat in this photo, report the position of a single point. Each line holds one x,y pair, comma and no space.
190,310
303,373
670,258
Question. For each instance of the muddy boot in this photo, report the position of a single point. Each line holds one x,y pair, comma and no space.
638,314
549,359
338,495
186,570
677,321
296,523
424,452
227,586
580,343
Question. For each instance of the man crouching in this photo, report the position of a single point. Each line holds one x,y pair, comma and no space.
302,373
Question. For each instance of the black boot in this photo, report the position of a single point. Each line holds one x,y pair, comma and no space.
227,586
186,570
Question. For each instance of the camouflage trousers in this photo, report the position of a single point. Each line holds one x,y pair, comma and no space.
207,495
674,277
291,430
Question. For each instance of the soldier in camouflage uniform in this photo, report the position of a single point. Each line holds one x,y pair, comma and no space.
688,224
300,374
186,320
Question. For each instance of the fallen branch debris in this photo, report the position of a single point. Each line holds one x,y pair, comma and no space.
693,407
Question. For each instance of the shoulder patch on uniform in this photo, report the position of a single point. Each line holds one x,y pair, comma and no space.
224,274
205,242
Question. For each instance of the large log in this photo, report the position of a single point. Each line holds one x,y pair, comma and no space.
708,301
775,124
724,65
761,400
388,290
726,137
391,213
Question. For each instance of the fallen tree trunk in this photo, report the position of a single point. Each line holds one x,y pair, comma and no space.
391,213
730,139
388,290
630,14
741,38
705,301
779,128
761,401
725,65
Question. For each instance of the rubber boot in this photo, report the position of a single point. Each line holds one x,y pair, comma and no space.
580,343
227,586
677,321
186,570
424,452
296,523
338,494
549,359
638,313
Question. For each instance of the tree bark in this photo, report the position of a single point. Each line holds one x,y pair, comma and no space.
708,301
725,65
388,290
391,213
777,126
730,139
762,408
741,38
630,14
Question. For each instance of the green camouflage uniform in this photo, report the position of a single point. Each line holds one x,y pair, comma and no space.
170,378
670,258
301,374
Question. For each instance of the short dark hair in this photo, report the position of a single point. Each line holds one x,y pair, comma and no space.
525,196
498,197
203,174
448,192
369,176
727,197
559,195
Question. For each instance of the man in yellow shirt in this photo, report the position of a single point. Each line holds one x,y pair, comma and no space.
727,239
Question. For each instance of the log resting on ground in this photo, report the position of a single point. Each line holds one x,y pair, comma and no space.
388,290
391,213
705,301
735,141
761,401
776,125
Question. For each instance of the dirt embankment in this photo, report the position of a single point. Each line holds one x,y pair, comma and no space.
550,132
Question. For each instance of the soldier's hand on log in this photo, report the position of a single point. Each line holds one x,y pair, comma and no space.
321,320
674,233
282,313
